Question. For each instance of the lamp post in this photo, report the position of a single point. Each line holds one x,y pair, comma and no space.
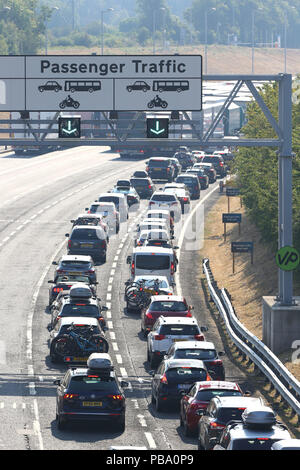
205,28
154,27
102,27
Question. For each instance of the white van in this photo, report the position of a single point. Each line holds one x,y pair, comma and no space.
120,201
161,214
147,261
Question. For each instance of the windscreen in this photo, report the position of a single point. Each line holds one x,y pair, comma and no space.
85,234
253,444
202,354
87,221
179,330
85,384
159,163
227,414
72,263
186,180
113,199
72,310
207,395
186,374
151,262
163,197
139,182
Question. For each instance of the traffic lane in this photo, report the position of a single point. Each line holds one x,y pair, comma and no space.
23,259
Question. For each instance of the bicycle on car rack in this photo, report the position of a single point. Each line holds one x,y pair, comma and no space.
137,294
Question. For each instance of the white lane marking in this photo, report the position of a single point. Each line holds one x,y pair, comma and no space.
108,296
36,424
115,346
119,359
123,372
150,440
142,421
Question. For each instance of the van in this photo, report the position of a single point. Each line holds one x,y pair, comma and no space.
149,260
120,201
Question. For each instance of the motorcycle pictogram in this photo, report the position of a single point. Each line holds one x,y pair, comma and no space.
69,102
157,102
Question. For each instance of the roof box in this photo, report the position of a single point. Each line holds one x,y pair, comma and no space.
80,290
100,361
259,418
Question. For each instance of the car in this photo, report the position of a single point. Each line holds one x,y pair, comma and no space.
218,163
225,154
174,377
152,285
183,197
138,85
219,412
166,330
202,176
209,170
198,398
123,183
186,159
73,339
192,182
50,85
160,169
286,444
148,225
88,240
149,260
92,393
109,214
198,154
143,186
152,234
75,264
140,174
161,200
177,166
120,202
63,283
133,199
161,214
163,305
204,351
257,429
91,219
79,302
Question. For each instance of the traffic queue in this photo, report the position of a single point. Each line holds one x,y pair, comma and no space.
187,372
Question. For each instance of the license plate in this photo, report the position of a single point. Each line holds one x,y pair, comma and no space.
92,403
179,339
184,386
87,245
75,272
75,359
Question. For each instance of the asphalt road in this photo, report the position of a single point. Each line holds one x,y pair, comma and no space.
39,197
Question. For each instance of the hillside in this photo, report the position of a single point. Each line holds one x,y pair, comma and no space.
220,59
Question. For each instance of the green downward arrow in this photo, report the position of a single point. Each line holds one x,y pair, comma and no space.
69,130
157,130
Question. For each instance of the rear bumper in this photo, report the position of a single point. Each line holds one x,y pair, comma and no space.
85,416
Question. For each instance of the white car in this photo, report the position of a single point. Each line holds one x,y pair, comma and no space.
120,201
161,200
109,214
152,234
168,330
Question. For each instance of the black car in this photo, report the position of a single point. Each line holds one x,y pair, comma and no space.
202,176
161,169
186,160
50,85
192,183
143,186
218,163
173,378
177,166
91,394
209,170
138,85
63,282
87,240
140,174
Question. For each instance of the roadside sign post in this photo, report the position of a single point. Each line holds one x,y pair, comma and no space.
231,192
241,247
231,219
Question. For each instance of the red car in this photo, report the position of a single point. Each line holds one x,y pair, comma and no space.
164,305
199,397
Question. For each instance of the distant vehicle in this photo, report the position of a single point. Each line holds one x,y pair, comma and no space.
170,85
138,85
51,85
82,85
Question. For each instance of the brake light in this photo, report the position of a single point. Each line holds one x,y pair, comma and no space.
216,425
149,186
60,271
217,362
199,337
69,243
164,379
149,316
132,267
57,289
172,268
116,397
185,199
82,305
70,396
159,337
147,168
189,315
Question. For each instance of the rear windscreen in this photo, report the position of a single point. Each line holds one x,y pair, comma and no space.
168,306
85,234
186,374
227,414
71,310
207,395
151,262
253,444
139,182
86,384
202,354
163,197
83,264
159,163
186,180
179,330
115,200
87,221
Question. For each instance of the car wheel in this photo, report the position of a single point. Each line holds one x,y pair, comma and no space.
199,445
186,429
152,399
158,405
152,361
120,425
61,422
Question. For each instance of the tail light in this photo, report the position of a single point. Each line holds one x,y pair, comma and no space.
149,316
185,199
60,271
116,397
70,396
215,425
217,362
57,289
189,315
172,268
199,337
221,164
132,267
163,379
168,169
151,202
159,337
90,271
147,168
69,243
149,186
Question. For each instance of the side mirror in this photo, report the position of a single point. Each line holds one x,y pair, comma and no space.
72,221
56,382
200,412
50,282
175,247
247,393
55,263
67,234
128,260
104,308
123,383
191,307
221,353
86,209
152,372
203,329
213,441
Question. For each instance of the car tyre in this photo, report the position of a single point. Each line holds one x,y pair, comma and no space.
61,422
199,445
158,405
120,426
